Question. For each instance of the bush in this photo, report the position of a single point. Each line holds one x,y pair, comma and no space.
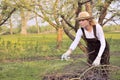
112,28
32,29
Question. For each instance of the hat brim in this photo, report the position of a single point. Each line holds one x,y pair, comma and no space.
83,18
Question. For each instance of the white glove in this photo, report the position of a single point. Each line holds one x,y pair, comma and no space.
96,61
66,55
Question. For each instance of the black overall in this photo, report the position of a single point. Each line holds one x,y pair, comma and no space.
93,46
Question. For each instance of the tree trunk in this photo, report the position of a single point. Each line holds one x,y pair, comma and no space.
77,13
23,23
11,32
104,11
38,28
59,37
80,45
89,8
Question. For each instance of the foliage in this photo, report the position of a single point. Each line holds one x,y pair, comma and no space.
34,29
112,28
7,9
3,28
18,46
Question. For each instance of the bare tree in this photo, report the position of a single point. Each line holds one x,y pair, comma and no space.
61,14
103,11
11,26
68,10
23,22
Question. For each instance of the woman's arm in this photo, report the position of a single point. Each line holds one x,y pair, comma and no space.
100,35
76,40
72,46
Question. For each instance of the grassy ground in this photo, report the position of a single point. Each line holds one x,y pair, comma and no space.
33,56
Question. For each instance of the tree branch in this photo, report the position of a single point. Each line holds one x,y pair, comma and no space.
108,19
115,22
67,22
79,9
80,45
85,2
55,13
1,23
104,11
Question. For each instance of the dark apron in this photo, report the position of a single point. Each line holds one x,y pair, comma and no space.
93,46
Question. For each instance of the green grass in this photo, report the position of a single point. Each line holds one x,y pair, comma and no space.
30,46
113,40
17,47
33,70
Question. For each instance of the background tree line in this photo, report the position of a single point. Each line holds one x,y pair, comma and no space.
60,14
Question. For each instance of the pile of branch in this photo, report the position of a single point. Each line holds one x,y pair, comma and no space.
102,72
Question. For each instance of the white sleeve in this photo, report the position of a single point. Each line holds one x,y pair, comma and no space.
76,40
100,35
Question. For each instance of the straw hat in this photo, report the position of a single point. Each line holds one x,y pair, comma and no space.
84,15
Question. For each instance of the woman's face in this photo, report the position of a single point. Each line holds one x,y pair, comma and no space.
84,23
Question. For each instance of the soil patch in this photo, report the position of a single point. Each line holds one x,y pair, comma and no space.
38,58
73,70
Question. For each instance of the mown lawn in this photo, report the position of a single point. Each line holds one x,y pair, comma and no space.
31,57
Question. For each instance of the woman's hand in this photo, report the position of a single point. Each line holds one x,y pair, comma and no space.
66,55
96,62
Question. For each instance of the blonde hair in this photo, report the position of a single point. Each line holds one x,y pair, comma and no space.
92,22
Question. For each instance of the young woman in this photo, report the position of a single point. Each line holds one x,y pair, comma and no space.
92,33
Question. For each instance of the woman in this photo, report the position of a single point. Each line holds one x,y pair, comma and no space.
93,35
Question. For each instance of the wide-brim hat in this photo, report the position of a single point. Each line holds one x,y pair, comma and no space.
84,15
